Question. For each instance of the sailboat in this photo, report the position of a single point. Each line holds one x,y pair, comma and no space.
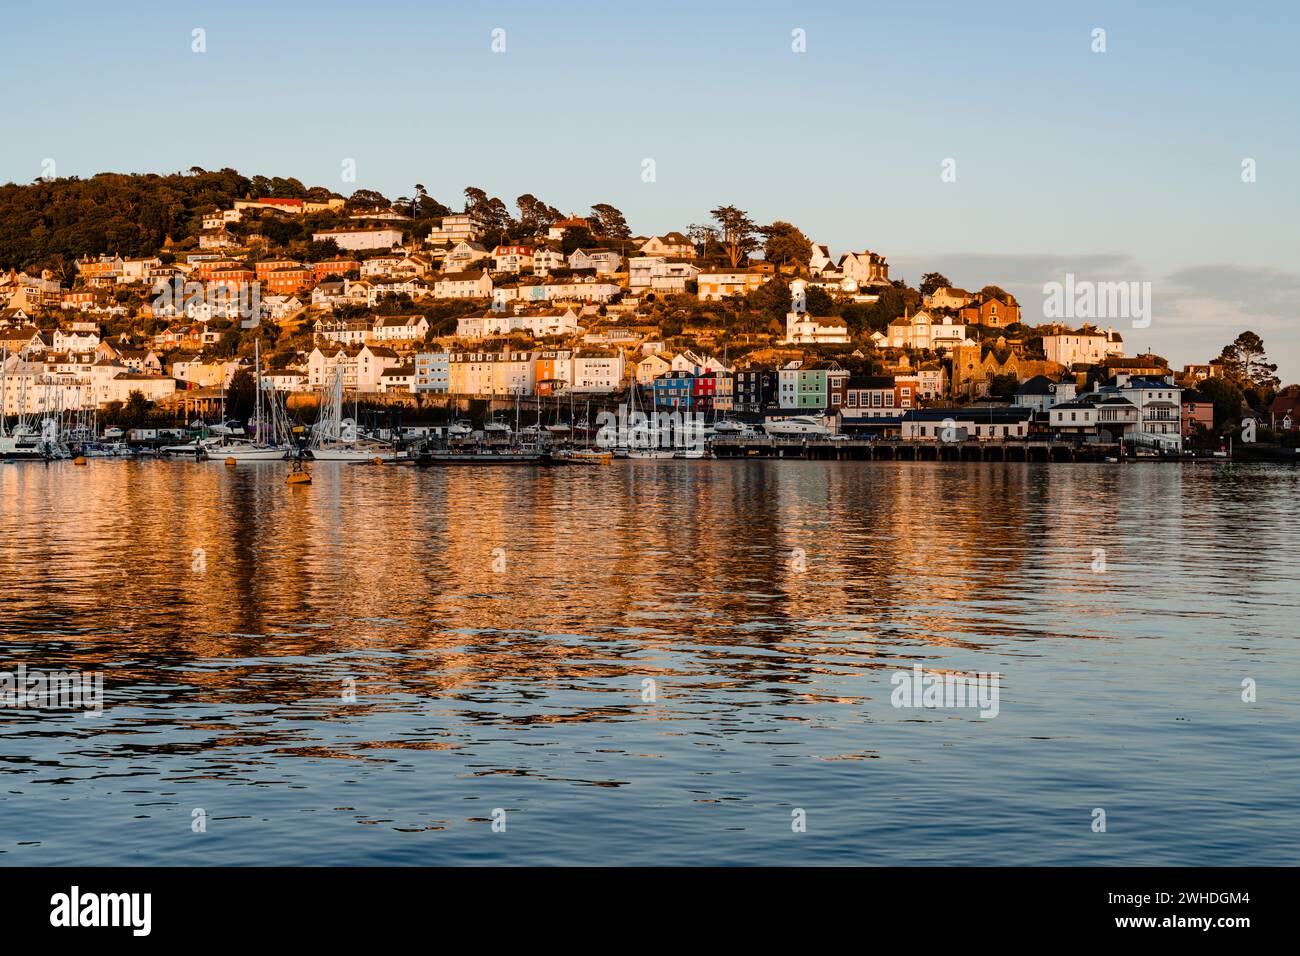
241,450
643,438
335,438
25,441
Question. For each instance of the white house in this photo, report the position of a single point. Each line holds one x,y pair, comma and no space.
362,366
660,274
512,259
1085,346
399,328
671,245
380,238
925,331
463,285
597,371
537,323
464,254
547,259
867,268
804,329
398,378
604,261
455,228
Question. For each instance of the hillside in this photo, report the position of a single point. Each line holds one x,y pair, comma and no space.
49,223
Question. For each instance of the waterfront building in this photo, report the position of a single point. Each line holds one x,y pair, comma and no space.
754,388
675,389
432,373
1040,392
597,371
983,422
877,396
651,367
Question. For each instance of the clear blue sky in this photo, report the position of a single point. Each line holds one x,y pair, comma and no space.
1117,165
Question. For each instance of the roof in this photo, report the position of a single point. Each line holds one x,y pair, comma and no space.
1038,385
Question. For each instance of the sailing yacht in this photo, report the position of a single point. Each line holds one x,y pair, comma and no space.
643,437
243,449
26,441
335,438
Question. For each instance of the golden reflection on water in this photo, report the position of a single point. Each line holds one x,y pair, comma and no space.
460,578
498,628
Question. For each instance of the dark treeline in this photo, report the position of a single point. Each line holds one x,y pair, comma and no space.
49,223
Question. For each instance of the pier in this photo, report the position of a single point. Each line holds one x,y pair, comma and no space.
828,449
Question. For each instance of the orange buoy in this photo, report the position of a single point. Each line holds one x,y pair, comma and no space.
378,460
230,461
298,478
79,460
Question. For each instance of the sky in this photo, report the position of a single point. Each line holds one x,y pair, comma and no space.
993,142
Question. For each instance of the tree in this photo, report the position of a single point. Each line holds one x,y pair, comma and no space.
575,238
819,301
366,198
737,231
771,298
241,395
1227,399
534,215
1246,365
1003,386
318,250
785,244
932,282
476,201
609,222
137,410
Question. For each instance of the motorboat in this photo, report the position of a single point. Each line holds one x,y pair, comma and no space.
797,426
729,427
585,456
650,453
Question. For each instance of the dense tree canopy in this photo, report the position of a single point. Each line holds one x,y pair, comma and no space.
1245,364
932,282
784,244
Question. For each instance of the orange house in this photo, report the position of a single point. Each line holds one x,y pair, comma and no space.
552,371
207,269
335,267
290,280
266,267
991,311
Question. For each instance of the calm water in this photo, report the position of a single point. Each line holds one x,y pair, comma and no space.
513,678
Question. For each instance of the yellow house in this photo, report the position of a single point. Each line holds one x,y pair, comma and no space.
716,284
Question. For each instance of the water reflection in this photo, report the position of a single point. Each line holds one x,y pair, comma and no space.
498,626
